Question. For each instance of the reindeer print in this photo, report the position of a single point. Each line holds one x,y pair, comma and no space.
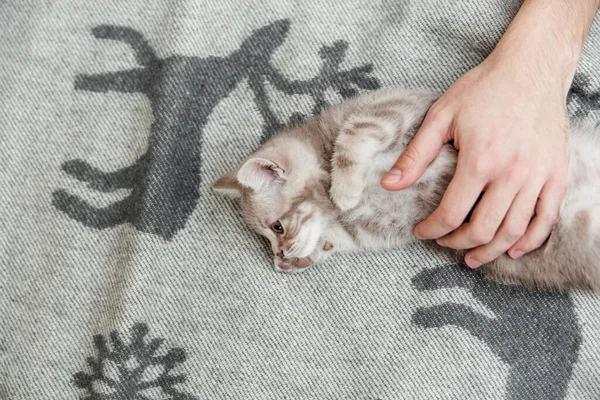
535,333
183,92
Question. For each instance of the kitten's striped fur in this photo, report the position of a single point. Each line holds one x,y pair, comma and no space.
321,180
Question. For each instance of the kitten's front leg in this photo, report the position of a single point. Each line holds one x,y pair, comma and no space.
360,139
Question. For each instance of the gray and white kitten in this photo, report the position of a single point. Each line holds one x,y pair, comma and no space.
314,190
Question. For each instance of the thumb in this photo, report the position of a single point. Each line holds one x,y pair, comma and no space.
419,153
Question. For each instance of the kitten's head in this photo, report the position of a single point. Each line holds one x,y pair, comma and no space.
283,195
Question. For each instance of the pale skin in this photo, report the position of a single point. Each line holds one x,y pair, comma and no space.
508,119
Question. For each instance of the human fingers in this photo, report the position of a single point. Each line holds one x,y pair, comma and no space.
420,152
512,229
547,213
486,217
458,200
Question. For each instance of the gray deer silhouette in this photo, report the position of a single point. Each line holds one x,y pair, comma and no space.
535,333
183,92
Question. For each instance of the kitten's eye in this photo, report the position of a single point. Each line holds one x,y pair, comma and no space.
277,227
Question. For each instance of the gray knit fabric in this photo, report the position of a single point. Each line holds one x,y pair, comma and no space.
123,276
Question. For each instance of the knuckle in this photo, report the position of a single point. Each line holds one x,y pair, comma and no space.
482,166
481,235
539,169
450,220
512,233
517,172
521,158
411,154
435,112
550,216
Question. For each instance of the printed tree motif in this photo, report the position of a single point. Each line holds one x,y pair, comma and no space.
131,371
164,182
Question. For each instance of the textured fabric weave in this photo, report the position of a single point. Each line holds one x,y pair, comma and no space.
122,275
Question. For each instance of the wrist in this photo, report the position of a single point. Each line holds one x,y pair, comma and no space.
543,67
544,41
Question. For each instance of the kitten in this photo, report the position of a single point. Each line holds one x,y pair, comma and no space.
314,190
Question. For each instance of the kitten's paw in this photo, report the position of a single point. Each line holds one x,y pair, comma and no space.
347,202
292,265
346,195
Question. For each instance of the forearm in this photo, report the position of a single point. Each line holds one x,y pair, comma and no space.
546,37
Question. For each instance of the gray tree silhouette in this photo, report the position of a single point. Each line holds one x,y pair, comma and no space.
118,371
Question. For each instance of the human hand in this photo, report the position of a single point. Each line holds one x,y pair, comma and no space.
511,129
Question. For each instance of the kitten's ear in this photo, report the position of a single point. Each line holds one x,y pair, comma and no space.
228,185
257,173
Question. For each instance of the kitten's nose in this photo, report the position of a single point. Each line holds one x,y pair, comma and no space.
280,254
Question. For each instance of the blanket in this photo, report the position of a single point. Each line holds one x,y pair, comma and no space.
123,276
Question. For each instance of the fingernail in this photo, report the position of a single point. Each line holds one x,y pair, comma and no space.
516,254
393,176
472,263
440,242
